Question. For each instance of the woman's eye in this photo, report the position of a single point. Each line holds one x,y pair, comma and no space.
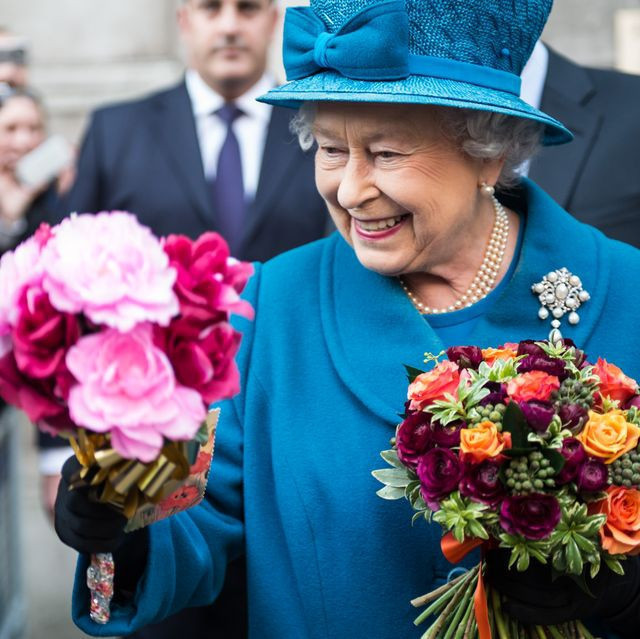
331,150
386,155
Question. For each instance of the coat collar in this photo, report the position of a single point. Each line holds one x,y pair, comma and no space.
372,329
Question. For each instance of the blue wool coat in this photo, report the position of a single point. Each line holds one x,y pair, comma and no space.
291,482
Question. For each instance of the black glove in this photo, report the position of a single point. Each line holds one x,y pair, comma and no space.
85,525
91,527
534,598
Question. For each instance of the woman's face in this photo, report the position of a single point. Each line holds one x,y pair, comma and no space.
21,129
399,191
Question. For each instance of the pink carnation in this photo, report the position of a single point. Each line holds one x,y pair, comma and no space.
128,389
111,268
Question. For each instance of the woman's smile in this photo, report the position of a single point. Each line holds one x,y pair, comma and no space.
378,228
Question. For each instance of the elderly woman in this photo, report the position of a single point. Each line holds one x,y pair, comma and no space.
420,132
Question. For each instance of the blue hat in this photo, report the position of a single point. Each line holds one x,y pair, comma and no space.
457,53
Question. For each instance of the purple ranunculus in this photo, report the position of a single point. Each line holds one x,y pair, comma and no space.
538,414
414,438
592,475
533,516
481,482
439,471
497,394
529,347
573,417
548,365
447,436
574,454
634,400
465,356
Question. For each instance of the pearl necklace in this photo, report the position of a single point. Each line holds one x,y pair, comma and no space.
485,277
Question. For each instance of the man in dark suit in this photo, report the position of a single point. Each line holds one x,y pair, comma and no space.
596,177
159,158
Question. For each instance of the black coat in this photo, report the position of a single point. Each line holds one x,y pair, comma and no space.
596,177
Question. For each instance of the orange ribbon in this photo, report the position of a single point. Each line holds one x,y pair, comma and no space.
454,551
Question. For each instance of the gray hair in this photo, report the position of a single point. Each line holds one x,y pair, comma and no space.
480,134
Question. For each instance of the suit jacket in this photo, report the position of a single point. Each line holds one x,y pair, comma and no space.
143,156
327,558
597,176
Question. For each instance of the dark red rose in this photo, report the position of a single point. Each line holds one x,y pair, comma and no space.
533,516
205,364
42,335
573,417
481,482
439,471
538,414
37,398
574,454
208,281
632,401
537,360
465,356
592,475
414,438
447,436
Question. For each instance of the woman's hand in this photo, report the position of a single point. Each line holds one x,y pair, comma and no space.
85,525
535,598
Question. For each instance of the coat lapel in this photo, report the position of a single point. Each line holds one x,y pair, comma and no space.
278,163
176,134
567,93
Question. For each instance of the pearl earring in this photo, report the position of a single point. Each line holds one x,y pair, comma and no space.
487,189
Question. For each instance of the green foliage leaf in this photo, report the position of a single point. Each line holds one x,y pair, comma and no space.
412,372
390,492
514,422
613,563
556,460
396,477
391,457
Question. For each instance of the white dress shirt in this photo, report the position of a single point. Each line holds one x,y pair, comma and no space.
250,128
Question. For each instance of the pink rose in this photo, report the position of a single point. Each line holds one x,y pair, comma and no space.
427,387
614,384
127,388
205,364
42,335
209,282
111,268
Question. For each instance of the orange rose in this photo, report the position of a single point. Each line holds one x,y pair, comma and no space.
620,534
614,384
505,351
427,387
532,385
608,436
483,441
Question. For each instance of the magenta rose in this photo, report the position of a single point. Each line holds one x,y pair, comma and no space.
439,471
414,438
209,281
538,414
592,475
465,356
481,482
127,388
206,364
42,335
574,455
447,436
533,516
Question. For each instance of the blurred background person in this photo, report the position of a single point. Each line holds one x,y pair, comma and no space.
24,205
596,177
13,59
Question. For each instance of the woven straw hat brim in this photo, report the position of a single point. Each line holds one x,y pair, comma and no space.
332,87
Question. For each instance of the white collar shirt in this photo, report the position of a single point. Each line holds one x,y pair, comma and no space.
250,128
533,77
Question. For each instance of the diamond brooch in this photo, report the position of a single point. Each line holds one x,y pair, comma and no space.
559,292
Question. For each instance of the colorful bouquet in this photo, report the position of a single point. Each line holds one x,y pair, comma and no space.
119,341
526,447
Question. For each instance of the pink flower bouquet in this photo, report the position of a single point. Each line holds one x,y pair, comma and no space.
119,341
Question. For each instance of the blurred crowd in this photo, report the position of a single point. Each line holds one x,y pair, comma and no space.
204,155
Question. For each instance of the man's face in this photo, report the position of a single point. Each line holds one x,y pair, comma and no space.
227,41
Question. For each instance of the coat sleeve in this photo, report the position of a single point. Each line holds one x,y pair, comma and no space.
189,552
